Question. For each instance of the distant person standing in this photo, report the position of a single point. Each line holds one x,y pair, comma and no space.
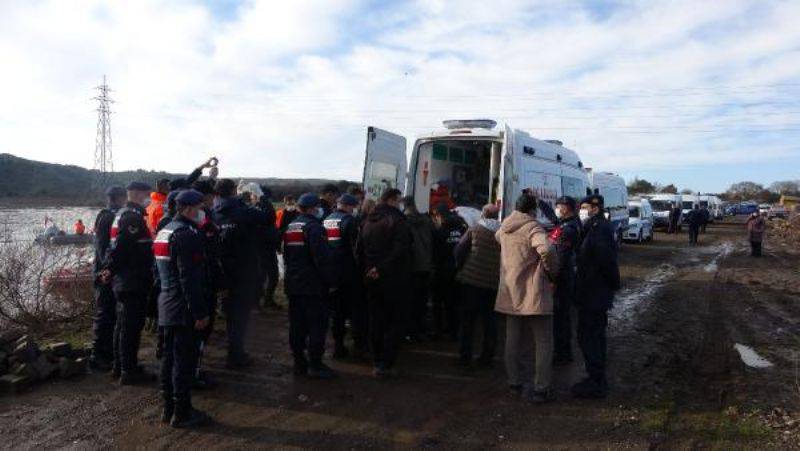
80,228
674,218
105,316
528,265
309,278
385,249
422,231
183,308
706,219
478,255
130,266
756,229
597,280
694,219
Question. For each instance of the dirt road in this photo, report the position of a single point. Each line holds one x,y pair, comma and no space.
677,381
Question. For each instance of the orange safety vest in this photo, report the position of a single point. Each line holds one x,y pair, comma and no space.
155,211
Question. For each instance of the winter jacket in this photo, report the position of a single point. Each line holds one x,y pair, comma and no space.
130,255
445,238
310,269
422,231
385,244
342,236
756,228
155,211
598,271
238,240
528,265
480,253
566,238
102,236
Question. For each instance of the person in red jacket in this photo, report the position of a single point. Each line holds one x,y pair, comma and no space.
158,202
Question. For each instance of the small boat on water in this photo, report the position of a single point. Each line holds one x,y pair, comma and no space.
65,239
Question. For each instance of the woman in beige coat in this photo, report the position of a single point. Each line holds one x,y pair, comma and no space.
525,296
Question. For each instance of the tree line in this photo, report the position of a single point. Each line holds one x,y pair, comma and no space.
737,192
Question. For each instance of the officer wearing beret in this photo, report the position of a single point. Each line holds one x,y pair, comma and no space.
309,277
597,280
182,307
342,233
105,305
566,238
129,266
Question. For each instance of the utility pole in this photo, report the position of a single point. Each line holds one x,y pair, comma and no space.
102,150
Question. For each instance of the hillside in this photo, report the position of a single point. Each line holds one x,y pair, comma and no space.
27,182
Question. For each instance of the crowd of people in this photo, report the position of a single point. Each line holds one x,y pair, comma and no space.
375,270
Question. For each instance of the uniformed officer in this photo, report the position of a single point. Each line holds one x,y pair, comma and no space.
129,265
342,232
308,280
566,238
238,247
105,316
597,280
449,230
182,307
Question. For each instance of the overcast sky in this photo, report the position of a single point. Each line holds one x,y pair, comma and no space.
701,94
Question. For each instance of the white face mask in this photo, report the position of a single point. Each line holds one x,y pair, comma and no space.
320,213
355,212
584,215
200,217
559,215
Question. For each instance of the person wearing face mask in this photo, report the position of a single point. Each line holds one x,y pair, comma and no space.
287,214
183,307
566,238
129,266
238,226
327,202
309,278
528,265
597,280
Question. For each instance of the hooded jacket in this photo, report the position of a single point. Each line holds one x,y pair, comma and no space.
155,211
527,267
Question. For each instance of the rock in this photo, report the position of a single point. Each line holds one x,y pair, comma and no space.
13,384
68,367
26,350
60,349
43,367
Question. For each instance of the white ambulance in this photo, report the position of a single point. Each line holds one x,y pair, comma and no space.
470,163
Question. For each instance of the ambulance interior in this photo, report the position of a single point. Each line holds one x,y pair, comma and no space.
458,172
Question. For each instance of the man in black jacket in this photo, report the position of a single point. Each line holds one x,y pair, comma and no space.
694,219
448,232
182,307
310,275
597,280
238,247
105,316
385,248
129,266
268,255
566,237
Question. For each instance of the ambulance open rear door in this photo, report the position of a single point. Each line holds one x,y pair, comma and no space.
385,163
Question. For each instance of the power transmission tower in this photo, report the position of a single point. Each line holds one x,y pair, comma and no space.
102,151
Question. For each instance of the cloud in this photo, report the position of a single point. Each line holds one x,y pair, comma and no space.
288,88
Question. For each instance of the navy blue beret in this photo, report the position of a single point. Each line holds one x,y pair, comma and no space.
594,199
348,199
308,200
189,197
115,191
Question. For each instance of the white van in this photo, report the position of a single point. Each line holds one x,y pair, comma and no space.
661,204
471,163
615,195
713,204
640,221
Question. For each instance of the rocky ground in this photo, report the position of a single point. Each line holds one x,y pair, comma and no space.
677,382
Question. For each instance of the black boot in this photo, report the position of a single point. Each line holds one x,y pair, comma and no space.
340,351
187,416
318,370
300,366
169,407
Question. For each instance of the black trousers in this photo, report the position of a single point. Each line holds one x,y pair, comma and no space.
308,326
387,321
562,324
445,315
477,302
755,248
103,323
592,326
178,361
694,231
238,307
131,306
420,293
360,315
273,274
341,304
